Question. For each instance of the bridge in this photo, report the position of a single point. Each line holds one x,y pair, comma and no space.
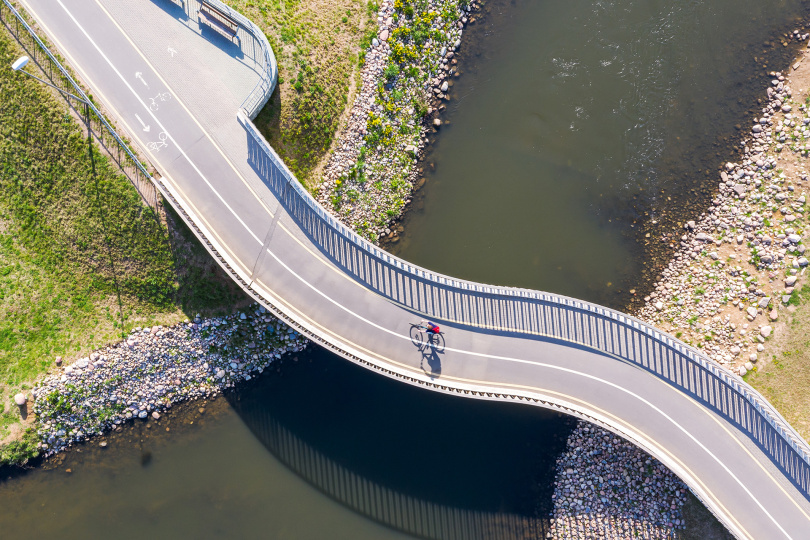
185,96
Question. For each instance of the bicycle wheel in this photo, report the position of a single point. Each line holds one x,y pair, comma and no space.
437,342
417,337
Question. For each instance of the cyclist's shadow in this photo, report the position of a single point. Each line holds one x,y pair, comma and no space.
430,346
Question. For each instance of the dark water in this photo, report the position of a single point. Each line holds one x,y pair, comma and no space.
361,440
578,127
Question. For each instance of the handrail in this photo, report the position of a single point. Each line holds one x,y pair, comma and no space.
269,74
91,107
797,470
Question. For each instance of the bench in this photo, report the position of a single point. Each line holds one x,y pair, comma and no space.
218,20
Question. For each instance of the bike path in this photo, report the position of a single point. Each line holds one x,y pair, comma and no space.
210,169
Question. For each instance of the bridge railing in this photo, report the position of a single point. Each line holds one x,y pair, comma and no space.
97,124
521,311
260,51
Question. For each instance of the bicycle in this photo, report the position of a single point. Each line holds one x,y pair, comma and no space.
422,337
157,145
164,96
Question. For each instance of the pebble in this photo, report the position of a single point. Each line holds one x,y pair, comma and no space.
754,228
362,191
608,488
765,331
155,368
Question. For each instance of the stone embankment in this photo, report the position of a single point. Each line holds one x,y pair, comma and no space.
153,369
407,75
736,269
740,263
608,488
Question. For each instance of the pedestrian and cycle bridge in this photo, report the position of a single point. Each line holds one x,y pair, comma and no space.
721,437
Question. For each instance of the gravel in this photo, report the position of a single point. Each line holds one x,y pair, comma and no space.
608,488
737,266
155,368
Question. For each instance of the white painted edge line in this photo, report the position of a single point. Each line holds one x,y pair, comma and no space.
549,366
258,240
162,127
168,186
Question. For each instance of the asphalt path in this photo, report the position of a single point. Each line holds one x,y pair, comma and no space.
207,167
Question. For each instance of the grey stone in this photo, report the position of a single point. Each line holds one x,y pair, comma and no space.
765,331
764,301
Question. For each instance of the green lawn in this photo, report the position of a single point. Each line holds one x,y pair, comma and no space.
317,44
82,260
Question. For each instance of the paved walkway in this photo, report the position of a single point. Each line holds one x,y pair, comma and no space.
502,344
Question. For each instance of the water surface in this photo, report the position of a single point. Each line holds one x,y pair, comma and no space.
578,127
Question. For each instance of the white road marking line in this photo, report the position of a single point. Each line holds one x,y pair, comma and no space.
549,366
162,128
460,351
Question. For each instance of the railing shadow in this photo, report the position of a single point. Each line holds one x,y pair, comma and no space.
176,9
408,513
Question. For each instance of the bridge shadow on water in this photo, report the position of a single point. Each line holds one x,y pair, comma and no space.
533,315
424,463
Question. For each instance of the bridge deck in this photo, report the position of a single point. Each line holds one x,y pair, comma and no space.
223,179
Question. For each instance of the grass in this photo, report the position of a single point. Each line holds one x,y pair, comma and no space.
784,381
82,260
318,46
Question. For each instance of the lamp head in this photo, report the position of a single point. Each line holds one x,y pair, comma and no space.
20,63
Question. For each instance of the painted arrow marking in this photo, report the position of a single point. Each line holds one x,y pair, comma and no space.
139,75
145,127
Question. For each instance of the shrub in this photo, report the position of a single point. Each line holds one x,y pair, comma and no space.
391,71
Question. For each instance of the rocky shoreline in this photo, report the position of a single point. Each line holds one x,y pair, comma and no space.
408,72
606,487
736,268
738,265
153,369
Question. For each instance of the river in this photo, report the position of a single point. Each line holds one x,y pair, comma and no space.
576,129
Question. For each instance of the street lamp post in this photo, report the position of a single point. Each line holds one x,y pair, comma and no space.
22,61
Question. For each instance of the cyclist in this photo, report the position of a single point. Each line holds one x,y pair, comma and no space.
431,328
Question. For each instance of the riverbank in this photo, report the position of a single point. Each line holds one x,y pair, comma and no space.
82,259
734,278
154,369
408,72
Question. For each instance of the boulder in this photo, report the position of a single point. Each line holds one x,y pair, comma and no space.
765,331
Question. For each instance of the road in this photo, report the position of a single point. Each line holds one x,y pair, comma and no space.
493,347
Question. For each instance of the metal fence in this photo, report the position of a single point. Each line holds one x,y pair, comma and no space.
539,314
115,147
259,50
